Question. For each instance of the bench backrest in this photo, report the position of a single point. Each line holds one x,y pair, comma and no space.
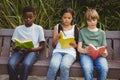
113,42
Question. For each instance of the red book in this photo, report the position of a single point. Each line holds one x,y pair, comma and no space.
95,52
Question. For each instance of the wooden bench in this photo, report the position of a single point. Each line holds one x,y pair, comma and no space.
40,68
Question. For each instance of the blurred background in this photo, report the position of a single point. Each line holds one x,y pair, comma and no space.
48,12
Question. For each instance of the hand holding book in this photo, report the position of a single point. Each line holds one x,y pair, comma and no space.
57,37
73,44
16,48
65,42
95,52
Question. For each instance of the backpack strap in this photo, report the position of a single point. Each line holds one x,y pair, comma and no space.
76,33
59,28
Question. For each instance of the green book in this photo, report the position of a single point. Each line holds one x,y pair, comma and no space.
24,44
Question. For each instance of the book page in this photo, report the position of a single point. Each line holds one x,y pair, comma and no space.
65,42
95,52
17,42
24,44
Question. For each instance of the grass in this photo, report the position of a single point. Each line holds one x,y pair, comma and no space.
48,12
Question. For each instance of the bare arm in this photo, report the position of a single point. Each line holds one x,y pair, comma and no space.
105,54
74,44
56,37
80,49
41,46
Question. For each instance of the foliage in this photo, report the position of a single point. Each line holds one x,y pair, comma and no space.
48,12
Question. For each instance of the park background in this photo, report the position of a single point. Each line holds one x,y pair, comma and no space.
48,15
48,12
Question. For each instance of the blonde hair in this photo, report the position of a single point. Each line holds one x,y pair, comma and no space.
91,14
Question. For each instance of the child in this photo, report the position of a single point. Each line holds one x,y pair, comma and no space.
63,58
27,56
92,35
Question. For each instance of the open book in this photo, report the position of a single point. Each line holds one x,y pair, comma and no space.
95,52
65,42
24,44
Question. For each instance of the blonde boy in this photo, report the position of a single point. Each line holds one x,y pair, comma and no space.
92,35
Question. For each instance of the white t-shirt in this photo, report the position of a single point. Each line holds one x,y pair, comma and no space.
71,51
35,32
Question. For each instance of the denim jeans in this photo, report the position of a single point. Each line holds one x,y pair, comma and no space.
62,61
87,64
27,59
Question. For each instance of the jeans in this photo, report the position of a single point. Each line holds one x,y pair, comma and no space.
27,59
87,64
62,61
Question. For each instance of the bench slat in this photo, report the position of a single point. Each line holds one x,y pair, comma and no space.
0,44
113,34
116,49
42,53
109,49
50,48
6,32
6,47
48,33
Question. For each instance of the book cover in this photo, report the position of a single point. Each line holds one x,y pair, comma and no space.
24,44
95,52
65,42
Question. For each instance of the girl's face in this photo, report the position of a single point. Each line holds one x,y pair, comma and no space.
28,18
67,19
92,23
